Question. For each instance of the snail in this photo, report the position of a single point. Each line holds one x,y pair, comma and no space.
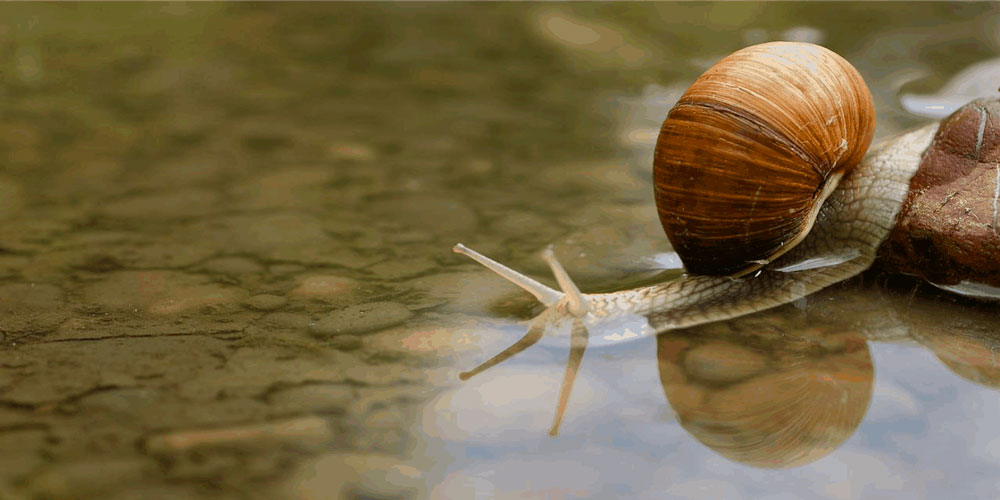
764,115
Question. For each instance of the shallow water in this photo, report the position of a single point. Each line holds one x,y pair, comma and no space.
225,266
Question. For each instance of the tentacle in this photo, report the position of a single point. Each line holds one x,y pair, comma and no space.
578,344
544,294
534,333
577,301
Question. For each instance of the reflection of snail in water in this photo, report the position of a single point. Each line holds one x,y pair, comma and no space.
766,399
767,132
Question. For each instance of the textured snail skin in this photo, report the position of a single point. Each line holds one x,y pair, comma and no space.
856,218
848,231
747,155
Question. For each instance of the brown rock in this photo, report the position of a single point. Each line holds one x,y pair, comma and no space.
947,229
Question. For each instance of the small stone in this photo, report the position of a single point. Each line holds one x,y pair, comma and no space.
91,478
443,335
284,188
31,308
402,268
127,401
164,254
265,302
465,292
159,206
361,318
232,266
159,292
324,286
289,237
353,151
318,398
723,363
386,374
346,342
435,213
519,223
282,269
382,429
304,432
286,320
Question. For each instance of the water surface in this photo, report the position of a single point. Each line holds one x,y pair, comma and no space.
225,266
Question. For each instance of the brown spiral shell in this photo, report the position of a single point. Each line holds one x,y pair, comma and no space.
751,150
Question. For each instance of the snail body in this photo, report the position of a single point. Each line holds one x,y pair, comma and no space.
826,242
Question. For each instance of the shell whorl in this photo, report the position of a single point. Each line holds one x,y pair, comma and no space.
750,151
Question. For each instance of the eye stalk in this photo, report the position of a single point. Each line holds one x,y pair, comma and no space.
576,301
544,294
567,305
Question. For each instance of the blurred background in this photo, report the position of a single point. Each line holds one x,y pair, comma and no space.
225,266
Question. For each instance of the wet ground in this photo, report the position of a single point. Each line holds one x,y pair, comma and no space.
225,266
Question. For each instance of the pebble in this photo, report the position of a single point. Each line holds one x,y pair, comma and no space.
265,302
346,342
31,308
159,292
282,269
437,214
232,266
317,398
353,151
382,429
606,250
463,292
324,286
520,223
90,478
286,320
306,432
402,268
283,189
383,375
162,254
125,401
361,318
162,206
289,237
438,336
